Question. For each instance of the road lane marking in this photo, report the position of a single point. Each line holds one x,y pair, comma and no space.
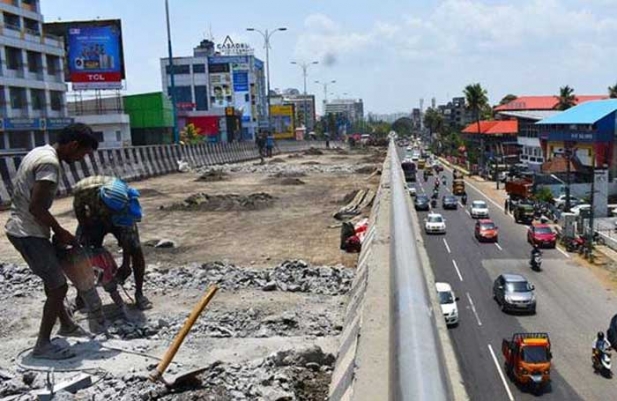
473,309
446,244
461,204
467,211
457,270
563,252
503,378
498,246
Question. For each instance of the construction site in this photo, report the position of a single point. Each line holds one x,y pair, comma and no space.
264,238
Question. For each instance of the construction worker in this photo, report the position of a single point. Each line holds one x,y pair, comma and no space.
107,205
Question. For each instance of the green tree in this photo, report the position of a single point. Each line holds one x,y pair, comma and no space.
190,135
566,98
507,99
544,194
612,91
403,127
476,100
433,120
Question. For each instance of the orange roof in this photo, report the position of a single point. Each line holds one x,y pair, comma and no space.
542,102
559,165
493,127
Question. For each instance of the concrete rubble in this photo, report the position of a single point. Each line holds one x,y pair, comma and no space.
310,167
292,276
226,202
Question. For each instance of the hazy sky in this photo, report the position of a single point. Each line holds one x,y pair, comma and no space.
391,53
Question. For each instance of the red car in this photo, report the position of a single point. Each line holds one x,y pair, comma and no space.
542,235
485,229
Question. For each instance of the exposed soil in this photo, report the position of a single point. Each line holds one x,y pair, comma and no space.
203,202
213,175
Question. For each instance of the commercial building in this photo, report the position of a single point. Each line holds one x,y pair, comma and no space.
304,106
222,92
151,116
32,89
528,110
456,114
351,109
105,115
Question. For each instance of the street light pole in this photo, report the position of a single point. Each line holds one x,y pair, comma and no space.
267,35
171,77
568,152
325,92
304,65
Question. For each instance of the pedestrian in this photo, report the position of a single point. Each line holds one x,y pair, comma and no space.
107,205
261,145
269,144
506,205
30,225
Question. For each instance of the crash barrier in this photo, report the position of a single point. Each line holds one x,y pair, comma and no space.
140,162
390,347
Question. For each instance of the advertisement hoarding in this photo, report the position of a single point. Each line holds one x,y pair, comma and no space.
242,95
282,117
220,89
94,54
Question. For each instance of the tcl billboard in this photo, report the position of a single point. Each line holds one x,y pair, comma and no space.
94,57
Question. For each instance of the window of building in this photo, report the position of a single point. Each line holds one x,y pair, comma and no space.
180,69
199,68
2,136
32,26
118,136
13,58
29,5
39,138
38,99
183,94
18,97
201,97
35,61
98,135
53,64
218,68
56,100
11,21
20,140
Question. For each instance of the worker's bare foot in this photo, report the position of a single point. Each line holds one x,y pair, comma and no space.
52,351
142,302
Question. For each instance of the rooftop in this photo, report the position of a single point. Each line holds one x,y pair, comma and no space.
536,115
493,127
583,114
542,102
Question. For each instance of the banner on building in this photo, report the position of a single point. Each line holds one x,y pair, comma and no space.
282,117
221,90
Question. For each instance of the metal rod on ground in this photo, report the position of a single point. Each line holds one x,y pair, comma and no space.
173,348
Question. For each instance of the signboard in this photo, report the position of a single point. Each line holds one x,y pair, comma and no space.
576,136
220,90
94,53
34,124
228,47
282,117
241,81
185,105
58,123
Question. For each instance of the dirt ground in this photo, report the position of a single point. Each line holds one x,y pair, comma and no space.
295,227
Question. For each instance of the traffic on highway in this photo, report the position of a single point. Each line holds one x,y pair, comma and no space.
522,314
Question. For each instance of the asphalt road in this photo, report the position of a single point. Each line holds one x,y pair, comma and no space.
572,305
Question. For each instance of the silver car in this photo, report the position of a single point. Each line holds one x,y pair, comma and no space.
514,293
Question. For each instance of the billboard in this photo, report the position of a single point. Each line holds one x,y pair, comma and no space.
242,95
94,54
220,89
282,117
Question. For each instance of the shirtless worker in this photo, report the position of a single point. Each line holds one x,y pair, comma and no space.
30,224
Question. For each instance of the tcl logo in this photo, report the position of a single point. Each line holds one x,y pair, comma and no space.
95,77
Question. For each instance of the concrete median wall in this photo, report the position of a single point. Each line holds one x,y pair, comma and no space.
141,162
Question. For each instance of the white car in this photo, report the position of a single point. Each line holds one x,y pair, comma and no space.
447,301
577,209
435,224
478,209
412,191
560,201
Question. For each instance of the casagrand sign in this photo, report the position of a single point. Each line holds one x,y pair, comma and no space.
229,48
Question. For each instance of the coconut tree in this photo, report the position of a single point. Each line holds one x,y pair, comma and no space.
566,98
612,91
476,99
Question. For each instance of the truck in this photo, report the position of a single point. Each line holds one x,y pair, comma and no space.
519,189
528,359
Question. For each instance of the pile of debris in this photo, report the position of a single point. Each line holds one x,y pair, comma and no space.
17,281
242,323
212,175
292,276
362,199
294,375
288,174
308,167
222,203
313,152
368,169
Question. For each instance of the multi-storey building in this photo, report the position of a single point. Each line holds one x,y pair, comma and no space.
32,89
352,109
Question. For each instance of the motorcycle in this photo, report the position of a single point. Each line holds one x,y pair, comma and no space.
574,244
601,361
434,203
464,200
536,262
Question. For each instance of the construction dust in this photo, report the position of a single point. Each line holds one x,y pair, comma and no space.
213,175
222,203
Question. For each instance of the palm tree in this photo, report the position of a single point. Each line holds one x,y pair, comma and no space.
433,120
566,98
476,99
612,91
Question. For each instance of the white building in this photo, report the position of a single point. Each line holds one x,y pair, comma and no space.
105,115
32,89
353,109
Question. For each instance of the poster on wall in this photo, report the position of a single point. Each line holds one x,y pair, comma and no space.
220,86
242,95
282,117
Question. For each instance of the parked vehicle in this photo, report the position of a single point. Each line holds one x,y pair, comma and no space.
434,223
447,302
421,202
580,208
541,235
486,230
478,209
449,202
523,212
528,359
560,201
519,189
514,293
